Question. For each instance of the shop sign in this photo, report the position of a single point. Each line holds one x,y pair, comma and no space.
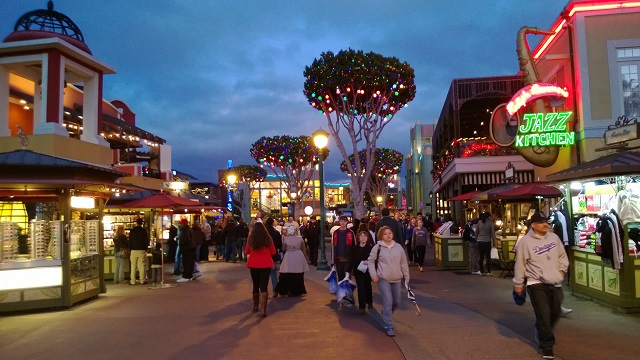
621,134
533,92
545,130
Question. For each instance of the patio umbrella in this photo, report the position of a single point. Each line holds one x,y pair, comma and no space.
531,190
161,201
464,197
493,194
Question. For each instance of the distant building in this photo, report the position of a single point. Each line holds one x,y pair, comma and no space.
419,166
464,156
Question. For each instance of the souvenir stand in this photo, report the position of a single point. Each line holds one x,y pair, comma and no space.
605,212
450,251
52,246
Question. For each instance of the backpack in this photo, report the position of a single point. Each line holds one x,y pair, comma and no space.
468,234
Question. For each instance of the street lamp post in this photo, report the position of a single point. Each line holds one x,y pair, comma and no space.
379,200
431,203
320,139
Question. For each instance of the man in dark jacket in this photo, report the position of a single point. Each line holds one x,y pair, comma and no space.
243,233
230,234
187,246
138,243
395,226
277,243
312,233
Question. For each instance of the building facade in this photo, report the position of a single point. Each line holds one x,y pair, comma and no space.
419,169
465,158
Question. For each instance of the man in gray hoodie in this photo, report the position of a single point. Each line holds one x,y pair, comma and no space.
541,264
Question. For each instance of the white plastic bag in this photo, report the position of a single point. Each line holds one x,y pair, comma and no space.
494,254
363,266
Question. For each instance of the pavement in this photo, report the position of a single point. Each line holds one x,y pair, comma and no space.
463,316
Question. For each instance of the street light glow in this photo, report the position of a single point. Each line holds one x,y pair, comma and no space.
320,138
231,178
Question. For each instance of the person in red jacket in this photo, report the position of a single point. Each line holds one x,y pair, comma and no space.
259,251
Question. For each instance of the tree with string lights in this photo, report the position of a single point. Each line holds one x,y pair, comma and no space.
387,163
360,92
292,159
244,174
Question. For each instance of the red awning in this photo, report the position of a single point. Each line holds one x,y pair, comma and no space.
464,197
530,191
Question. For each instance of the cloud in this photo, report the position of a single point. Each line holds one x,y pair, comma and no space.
212,77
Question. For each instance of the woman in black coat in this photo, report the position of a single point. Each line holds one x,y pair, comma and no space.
358,253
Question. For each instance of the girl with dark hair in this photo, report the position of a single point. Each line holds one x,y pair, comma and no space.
358,255
260,250
485,237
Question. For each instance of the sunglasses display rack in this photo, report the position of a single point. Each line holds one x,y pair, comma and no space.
92,235
40,237
8,240
76,238
55,239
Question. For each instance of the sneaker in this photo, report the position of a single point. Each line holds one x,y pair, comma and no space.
390,331
370,306
488,274
197,275
362,311
565,311
547,354
421,269
183,280
476,273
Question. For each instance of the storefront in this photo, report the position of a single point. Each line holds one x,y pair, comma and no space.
51,230
605,196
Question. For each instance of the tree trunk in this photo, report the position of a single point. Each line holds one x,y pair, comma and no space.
357,198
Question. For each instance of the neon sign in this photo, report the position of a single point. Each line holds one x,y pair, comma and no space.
532,92
545,130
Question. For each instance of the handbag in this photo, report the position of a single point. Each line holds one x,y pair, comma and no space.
124,253
494,254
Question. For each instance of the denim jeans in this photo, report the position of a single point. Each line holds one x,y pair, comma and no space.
198,252
118,273
391,297
242,242
231,248
545,300
474,256
484,248
219,251
274,278
177,265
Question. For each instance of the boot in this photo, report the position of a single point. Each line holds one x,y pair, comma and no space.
263,304
256,298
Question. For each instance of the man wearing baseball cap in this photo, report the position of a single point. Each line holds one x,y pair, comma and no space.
541,263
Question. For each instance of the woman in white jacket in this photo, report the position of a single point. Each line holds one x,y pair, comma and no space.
388,267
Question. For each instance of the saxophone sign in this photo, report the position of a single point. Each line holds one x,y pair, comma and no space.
535,91
548,129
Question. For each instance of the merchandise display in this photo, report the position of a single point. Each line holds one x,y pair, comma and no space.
111,222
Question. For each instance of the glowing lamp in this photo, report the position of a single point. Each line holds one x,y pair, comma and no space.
83,202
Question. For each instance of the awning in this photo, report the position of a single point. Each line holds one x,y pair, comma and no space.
493,194
622,163
464,197
530,191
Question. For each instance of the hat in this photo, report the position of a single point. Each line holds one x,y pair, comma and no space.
184,221
537,217
521,298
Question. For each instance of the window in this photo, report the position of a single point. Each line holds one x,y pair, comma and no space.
628,62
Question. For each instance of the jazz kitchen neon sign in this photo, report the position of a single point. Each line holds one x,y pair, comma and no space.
545,130
532,92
